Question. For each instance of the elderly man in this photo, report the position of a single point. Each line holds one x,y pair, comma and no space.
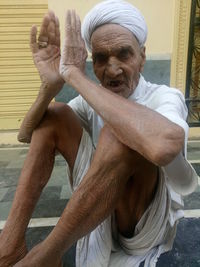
124,141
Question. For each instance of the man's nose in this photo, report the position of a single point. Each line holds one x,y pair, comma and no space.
113,68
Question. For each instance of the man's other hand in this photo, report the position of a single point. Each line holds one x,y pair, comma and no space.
74,53
40,256
46,52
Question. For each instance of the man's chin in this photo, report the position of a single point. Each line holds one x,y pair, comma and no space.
116,89
120,90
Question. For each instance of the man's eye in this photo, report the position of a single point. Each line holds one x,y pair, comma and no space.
100,59
123,54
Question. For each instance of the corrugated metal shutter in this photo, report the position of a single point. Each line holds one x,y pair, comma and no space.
19,80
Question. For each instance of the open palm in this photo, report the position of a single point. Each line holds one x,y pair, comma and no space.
46,50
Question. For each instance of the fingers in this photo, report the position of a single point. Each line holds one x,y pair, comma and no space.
68,32
51,30
74,52
78,28
73,26
43,36
33,39
79,36
57,33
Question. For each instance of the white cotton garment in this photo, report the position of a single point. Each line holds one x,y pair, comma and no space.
156,230
154,233
115,12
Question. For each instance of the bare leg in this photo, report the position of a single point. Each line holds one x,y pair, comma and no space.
101,191
35,174
139,193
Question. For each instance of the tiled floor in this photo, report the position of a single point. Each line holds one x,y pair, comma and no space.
186,251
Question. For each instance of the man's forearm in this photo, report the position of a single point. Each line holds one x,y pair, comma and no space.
140,128
34,115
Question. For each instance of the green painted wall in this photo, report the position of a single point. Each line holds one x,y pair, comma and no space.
155,71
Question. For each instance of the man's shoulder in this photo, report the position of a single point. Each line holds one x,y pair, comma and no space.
162,89
157,94
147,92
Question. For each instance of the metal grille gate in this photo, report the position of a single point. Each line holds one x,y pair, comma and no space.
193,67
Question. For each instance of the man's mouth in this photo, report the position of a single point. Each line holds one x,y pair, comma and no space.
114,83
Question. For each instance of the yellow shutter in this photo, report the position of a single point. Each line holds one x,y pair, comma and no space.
19,80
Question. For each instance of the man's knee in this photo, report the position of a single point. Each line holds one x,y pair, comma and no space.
59,119
60,113
113,149
108,140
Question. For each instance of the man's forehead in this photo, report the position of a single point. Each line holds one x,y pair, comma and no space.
112,35
111,28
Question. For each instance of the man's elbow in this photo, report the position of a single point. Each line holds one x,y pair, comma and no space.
169,148
23,138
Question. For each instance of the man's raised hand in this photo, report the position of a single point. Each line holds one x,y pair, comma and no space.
74,53
46,52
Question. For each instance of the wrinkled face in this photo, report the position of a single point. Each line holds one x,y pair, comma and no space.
117,58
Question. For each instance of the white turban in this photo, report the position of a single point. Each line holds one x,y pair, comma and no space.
116,12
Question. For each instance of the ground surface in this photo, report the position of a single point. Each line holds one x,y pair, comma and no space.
186,250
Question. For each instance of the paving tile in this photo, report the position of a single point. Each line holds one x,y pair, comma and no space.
185,252
193,151
193,156
17,163
192,201
197,189
9,154
8,197
59,160
44,208
59,176
65,192
23,152
53,200
36,235
3,164
4,210
197,167
49,208
3,192
51,193
186,249
9,177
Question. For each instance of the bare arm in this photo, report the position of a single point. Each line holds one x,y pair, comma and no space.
34,116
96,196
46,56
140,128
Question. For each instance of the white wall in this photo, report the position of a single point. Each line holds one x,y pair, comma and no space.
159,15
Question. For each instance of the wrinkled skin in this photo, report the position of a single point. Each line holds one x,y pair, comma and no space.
8,255
117,58
36,257
47,59
74,53
91,198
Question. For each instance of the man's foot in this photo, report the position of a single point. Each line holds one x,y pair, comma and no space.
61,264
11,255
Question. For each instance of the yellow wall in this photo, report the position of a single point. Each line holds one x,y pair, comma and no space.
159,15
19,79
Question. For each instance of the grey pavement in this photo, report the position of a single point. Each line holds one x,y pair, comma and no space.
186,250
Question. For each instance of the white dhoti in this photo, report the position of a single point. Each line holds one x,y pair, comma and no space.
154,233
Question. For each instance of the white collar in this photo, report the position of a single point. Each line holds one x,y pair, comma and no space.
140,90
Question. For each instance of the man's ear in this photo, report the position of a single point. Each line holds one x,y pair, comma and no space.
143,58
